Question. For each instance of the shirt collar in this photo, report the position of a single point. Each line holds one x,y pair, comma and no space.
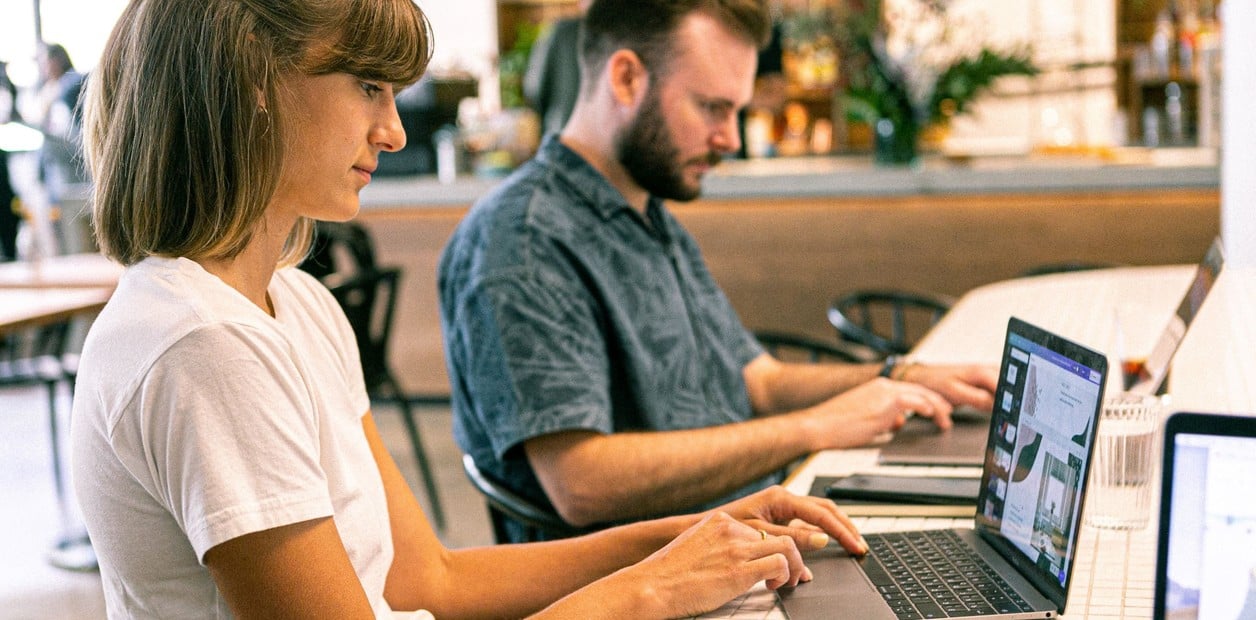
601,197
585,180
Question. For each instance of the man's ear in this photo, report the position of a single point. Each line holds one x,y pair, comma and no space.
628,78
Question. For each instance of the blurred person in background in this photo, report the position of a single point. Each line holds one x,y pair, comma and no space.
60,159
9,217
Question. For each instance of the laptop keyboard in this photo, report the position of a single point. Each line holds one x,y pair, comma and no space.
934,574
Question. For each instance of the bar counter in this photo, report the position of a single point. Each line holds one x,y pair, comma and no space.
855,175
784,237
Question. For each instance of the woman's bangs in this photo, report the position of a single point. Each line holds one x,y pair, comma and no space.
385,40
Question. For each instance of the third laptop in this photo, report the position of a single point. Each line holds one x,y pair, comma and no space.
920,442
1017,559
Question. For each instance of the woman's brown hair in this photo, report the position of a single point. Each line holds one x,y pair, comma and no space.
184,116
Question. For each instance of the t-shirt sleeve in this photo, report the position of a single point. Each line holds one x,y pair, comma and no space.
532,347
328,318
231,435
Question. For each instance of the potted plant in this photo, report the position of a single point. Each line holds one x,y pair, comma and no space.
911,67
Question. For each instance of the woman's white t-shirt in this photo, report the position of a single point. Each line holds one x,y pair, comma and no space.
199,418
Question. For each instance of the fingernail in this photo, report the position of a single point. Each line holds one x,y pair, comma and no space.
863,542
819,541
806,574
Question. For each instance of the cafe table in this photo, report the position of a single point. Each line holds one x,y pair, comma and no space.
1113,576
87,270
22,308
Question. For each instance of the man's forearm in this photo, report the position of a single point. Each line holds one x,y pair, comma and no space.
594,478
777,387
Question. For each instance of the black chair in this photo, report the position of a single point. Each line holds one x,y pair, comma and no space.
887,322
40,356
796,347
1065,267
37,357
344,256
539,523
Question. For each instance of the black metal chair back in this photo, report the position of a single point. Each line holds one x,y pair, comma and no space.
887,322
790,347
503,503
343,257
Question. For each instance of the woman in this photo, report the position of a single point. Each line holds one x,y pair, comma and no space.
224,453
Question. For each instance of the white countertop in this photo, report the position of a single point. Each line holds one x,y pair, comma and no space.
1131,169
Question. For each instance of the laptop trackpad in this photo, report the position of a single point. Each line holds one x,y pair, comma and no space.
839,589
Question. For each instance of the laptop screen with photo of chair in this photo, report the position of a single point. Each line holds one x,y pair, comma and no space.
1206,552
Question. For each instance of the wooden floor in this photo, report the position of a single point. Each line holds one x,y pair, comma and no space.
32,589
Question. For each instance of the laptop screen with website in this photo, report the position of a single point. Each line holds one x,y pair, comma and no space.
1037,459
1210,571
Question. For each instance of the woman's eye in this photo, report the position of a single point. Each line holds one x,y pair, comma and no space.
371,88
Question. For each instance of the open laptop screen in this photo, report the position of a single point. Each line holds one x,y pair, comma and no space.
1207,549
1037,459
1147,377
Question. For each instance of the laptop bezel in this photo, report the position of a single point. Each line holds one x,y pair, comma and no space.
1185,423
1056,592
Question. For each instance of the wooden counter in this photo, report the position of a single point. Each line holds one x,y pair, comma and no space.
785,237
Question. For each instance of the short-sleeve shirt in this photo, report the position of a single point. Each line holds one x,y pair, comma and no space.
199,418
563,308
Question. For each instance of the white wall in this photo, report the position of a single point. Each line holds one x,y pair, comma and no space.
1059,108
1238,133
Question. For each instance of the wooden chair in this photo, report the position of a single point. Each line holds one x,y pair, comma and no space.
887,322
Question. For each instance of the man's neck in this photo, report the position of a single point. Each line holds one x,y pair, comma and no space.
602,159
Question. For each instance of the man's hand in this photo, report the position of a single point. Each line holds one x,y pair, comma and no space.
865,413
972,386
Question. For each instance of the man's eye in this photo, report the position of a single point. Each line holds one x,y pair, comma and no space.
716,109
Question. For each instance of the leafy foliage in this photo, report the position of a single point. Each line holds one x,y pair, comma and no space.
910,89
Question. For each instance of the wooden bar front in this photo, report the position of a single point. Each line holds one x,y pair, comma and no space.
782,259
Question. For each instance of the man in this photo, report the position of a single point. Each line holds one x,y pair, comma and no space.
595,363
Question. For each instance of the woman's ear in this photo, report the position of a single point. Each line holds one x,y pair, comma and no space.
629,80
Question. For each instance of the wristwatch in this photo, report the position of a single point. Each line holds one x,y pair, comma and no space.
887,369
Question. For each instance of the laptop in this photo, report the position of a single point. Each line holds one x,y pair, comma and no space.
920,442
1147,376
1206,554
1020,552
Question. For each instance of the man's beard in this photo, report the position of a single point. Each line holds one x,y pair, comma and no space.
645,149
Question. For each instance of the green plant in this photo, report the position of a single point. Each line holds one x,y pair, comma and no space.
513,63
913,73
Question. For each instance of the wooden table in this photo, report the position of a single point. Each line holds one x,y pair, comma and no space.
22,308
1213,371
63,271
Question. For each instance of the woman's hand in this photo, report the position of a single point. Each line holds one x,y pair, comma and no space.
709,564
809,521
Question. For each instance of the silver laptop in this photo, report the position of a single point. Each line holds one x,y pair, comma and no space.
920,442
1017,560
1148,376
1206,555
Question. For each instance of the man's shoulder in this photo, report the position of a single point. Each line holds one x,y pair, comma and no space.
537,199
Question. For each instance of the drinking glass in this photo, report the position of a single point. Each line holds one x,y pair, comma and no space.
1123,475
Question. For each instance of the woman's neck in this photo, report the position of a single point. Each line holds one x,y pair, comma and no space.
251,270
